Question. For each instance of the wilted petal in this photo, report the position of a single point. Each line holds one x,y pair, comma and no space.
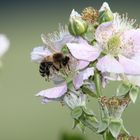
38,54
130,66
134,80
84,51
55,92
81,76
72,100
109,64
4,44
82,64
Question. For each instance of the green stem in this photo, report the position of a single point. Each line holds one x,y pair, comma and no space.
97,79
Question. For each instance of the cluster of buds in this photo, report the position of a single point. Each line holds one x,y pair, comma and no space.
97,46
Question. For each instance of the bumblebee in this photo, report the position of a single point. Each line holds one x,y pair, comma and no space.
54,62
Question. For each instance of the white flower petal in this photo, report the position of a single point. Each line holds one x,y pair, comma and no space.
39,53
55,92
81,76
83,51
4,44
130,66
109,64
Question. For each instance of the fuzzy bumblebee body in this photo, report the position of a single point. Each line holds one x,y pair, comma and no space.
53,62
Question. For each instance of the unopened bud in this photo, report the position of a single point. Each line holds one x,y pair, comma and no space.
105,13
77,26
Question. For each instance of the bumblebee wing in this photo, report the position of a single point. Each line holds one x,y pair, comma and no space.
54,93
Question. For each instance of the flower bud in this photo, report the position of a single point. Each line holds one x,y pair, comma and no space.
77,25
105,13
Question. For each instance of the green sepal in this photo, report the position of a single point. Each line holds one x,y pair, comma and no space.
88,91
82,127
115,127
103,125
88,123
89,34
124,130
123,89
88,112
109,136
76,122
77,112
133,94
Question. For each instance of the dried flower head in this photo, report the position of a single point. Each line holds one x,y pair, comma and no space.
126,137
90,14
115,105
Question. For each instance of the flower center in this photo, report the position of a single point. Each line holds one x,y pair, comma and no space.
113,45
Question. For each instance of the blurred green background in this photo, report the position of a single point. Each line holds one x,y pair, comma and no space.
22,116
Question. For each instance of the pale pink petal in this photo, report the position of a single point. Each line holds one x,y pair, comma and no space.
132,36
55,92
83,51
78,80
81,76
45,101
82,64
130,66
104,32
87,73
38,54
109,64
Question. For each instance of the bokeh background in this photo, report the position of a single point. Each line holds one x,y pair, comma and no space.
22,116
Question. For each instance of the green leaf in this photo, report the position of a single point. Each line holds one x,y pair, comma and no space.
123,89
134,93
77,113
88,91
115,128
102,126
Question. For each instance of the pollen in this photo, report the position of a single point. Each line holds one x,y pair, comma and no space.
90,14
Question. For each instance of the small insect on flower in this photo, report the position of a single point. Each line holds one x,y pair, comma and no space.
53,62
